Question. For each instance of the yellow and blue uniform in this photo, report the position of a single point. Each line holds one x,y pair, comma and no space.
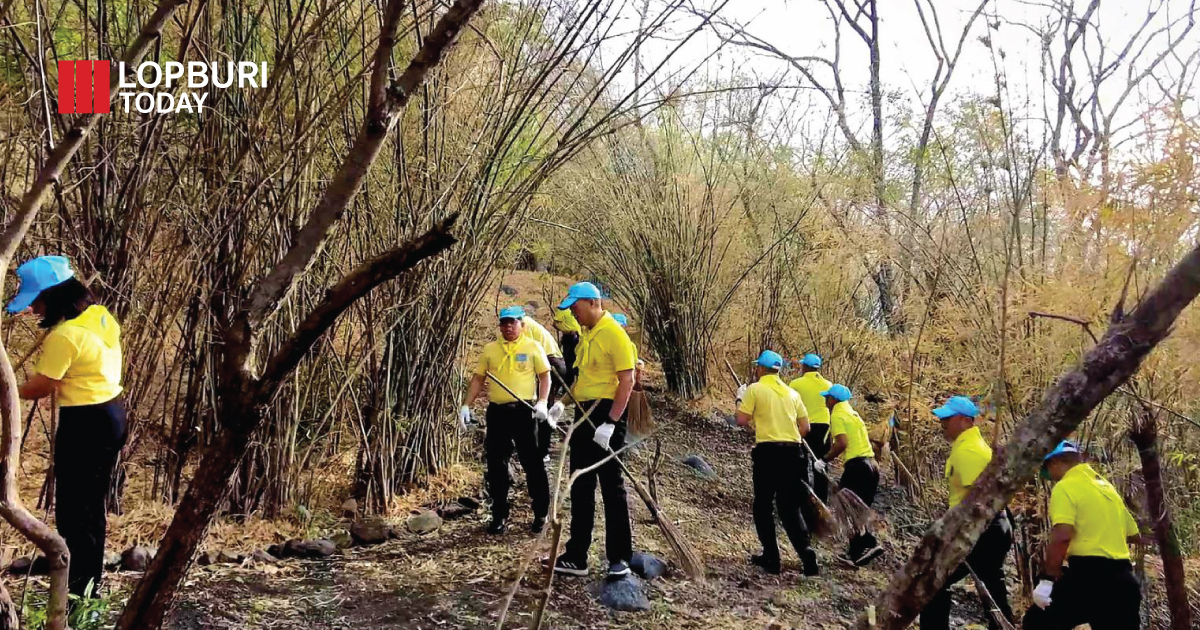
603,351
969,455
84,354
774,408
517,364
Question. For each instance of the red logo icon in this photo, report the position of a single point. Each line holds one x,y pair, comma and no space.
83,87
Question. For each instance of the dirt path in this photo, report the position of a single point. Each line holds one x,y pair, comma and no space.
457,577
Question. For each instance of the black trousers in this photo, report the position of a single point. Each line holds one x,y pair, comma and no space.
861,475
545,433
508,426
777,472
1097,591
987,558
817,441
89,439
569,342
618,542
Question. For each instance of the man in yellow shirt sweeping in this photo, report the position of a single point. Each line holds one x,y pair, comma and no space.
1092,531
810,385
520,363
606,359
779,419
860,474
969,455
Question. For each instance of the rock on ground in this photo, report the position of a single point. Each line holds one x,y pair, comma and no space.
702,468
454,511
342,539
426,522
350,508
136,558
229,557
207,558
370,531
626,594
471,503
648,565
507,290
321,548
262,557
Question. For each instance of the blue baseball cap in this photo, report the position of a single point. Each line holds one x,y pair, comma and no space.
512,312
838,392
811,360
621,319
1063,448
36,276
580,291
770,359
957,406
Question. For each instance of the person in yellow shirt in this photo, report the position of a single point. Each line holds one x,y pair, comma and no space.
778,462
969,455
520,363
810,385
531,328
1092,531
605,359
81,362
860,474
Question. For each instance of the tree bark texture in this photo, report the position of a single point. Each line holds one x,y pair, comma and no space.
1144,434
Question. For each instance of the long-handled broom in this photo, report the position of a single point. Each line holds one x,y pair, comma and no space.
689,560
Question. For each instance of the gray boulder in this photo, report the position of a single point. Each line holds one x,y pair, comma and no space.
321,548
626,594
454,511
700,467
648,566
426,522
370,531
342,539
229,557
136,558
507,290
262,557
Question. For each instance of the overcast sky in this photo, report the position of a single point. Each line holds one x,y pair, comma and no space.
804,27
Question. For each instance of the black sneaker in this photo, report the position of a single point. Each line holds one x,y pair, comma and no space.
768,565
868,555
618,569
498,526
538,524
570,567
809,560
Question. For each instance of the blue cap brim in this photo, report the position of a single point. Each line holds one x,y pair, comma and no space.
566,304
22,300
944,412
825,393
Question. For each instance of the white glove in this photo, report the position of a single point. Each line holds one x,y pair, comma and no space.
540,413
1041,594
820,466
556,413
741,393
604,435
464,418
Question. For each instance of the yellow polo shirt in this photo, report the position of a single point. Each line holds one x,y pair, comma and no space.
1089,503
810,387
84,354
846,421
969,455
602,352
564,321
537,332
774,408
517,364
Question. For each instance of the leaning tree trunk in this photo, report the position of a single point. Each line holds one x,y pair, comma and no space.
1144,434
1068,402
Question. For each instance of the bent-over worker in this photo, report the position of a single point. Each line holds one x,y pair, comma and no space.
521,364
860,474
1092,531
778,462
81,361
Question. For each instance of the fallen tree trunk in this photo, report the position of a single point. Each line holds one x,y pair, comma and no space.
1068,402
1144,434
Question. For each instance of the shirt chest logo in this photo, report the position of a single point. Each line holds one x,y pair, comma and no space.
522,358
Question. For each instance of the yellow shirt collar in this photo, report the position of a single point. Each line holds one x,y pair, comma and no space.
970,435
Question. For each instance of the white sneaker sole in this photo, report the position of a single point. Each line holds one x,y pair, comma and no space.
575,572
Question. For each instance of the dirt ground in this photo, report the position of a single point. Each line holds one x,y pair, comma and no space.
458,576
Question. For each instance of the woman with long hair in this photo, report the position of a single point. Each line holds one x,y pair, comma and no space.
81,362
